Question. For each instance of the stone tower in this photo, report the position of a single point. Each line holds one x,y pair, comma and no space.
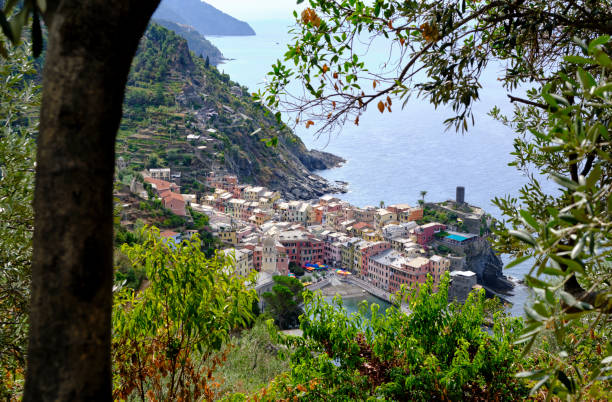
460,199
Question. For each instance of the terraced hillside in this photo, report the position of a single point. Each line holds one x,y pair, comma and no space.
181,113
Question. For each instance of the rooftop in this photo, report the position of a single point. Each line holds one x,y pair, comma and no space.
467,274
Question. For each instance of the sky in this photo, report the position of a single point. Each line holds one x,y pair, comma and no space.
253,10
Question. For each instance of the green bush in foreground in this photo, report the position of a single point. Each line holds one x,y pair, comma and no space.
438,352
167,337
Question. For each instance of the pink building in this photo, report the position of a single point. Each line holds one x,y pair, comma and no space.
425,233
378,273
282,260
174,202
370,250
409,273
332,253
301,247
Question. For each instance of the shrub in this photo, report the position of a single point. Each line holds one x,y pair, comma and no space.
165,337
437,352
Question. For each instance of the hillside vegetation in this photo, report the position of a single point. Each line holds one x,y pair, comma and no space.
179,113
198,44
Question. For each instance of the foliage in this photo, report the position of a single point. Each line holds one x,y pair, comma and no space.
436,49
565,134
13,19
395,356
252,361
434,215
295,268
126,273
283,302
18,101
164,337
124,236
200,220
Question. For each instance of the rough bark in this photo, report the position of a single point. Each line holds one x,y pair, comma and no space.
90,47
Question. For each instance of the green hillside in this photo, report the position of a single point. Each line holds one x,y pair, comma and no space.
198,44
172,94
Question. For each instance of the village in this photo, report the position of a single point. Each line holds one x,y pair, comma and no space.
377,249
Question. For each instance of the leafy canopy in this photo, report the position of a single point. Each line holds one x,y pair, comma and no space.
565,134
19,101
164,335
436,49
396,356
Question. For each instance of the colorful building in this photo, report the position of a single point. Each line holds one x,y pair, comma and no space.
425,233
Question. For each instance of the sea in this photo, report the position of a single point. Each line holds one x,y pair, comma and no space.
392,157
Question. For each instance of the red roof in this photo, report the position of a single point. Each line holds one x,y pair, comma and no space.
168,233
169,195
361,225
159,184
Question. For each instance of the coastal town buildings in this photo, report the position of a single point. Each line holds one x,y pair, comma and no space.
384,247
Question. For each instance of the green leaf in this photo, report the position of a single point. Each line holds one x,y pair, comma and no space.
553,271
534,315
604,59
578,247
528,374
586,79
560,99
573,265
529,220
598,41
517,261
523,236
570,300
564,181
578,60
6,28
600,90
538,385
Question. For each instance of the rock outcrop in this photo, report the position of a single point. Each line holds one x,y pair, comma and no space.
481,259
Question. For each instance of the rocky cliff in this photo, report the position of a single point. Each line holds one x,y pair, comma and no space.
180,114
481,259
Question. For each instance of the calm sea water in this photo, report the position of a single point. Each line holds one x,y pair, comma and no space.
393,157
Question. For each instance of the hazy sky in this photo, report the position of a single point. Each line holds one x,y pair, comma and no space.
249,10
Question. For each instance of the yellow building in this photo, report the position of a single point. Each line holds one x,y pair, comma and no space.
371,235
439,265
384,217
225,232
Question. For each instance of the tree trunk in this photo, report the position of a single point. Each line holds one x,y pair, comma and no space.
90,48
